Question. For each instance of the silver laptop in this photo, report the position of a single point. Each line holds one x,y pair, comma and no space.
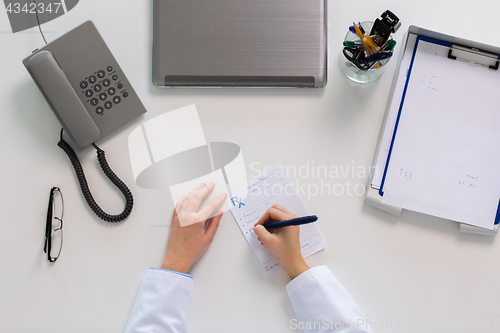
240,43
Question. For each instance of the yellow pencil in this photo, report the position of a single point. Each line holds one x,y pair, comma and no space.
372,44
363,39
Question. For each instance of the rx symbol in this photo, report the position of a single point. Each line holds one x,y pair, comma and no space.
236,200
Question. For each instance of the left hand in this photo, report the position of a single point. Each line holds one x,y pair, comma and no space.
187,244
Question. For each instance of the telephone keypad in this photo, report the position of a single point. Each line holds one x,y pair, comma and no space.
102,83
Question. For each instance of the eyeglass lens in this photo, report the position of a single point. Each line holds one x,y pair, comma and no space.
56,246
57,204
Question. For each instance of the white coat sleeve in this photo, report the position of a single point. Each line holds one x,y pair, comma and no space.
323,305
163,303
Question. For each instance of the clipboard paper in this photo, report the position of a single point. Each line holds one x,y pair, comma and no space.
444,155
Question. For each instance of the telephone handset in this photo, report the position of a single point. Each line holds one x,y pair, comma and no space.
64,99
91,97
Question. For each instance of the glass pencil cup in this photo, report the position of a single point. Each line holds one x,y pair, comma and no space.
351,70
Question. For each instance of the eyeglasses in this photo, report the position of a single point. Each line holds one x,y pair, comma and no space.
53,228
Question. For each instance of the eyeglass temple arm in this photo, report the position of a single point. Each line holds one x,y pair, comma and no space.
48,225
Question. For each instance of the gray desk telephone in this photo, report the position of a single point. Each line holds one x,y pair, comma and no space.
84,85
90,95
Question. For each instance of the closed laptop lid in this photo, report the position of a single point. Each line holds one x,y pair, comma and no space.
240,43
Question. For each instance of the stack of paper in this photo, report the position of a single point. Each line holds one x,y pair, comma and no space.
445,155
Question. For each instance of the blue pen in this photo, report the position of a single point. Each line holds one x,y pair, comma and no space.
287,223
353,30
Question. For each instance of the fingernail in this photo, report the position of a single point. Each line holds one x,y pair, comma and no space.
211,184
223,195
220,212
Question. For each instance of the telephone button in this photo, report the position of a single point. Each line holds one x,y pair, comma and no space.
88,93
92,79
117,99
99,110
115,77
106,82
108,105
125,94
94,101
101,74
97,87
103,96
109,68
120,85
111,91
84,84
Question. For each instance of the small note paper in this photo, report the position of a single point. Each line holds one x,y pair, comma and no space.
249,202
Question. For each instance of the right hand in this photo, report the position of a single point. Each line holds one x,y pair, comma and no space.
283,243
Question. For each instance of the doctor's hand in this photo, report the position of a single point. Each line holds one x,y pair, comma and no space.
186,244
283,243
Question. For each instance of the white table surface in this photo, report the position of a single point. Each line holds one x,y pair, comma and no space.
411,271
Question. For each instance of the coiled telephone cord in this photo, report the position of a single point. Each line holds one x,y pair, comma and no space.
108,172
